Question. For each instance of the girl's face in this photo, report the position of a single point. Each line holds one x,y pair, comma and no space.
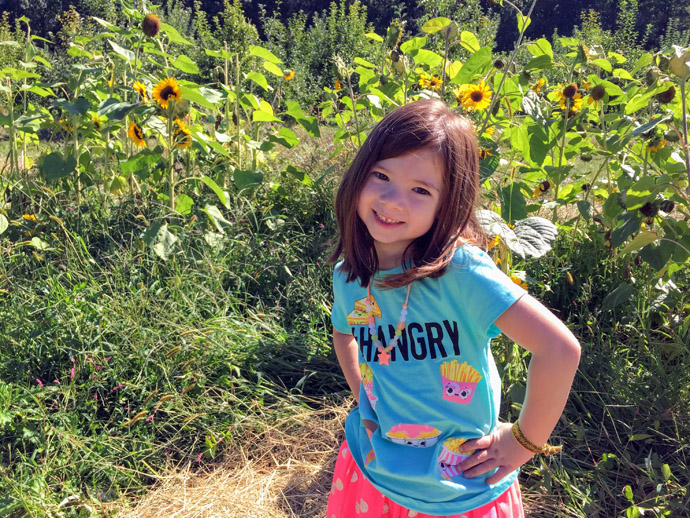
399,202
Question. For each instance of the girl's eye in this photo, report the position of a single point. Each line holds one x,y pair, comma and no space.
380,175
421,190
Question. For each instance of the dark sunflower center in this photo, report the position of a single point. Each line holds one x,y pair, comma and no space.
138,133
167,93
477,96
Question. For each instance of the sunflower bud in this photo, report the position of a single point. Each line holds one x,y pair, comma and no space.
671,136
395,56
649,209
151,25
651,76
598,92
570,91
666,96
663,63
586,157
499,64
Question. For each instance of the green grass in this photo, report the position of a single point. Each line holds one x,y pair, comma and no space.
176,359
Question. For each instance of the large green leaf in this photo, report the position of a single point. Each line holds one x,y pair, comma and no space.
631,224
126,54
208,182
139,162
475,67
541,47
435,25
534,237
186,65
173,35
115,109
413,44
247,179
79,107
259,79
183,204
513,206
469,41
54,166
265,54
531,237
426,57
161,240
620,295
206,97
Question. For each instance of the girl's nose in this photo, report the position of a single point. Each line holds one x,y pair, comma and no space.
392,197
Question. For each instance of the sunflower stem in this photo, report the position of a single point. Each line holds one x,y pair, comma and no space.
510,63
171,163
685,131
237,108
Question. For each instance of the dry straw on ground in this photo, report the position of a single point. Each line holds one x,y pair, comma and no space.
284,472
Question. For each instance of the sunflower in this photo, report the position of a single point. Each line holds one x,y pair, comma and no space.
140,88
656,145
539,85
288,74
542,188
575,99
137,135
338,85
29,217
424,81
435,82
151,25
165,91
494,242
181,135
97,123
517,280
476,97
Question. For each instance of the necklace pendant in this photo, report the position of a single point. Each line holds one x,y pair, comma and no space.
384,357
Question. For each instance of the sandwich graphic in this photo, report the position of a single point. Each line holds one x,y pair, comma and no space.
358,316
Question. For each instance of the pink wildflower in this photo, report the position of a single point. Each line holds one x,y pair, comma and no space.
71,373
118,387
199,456
39,382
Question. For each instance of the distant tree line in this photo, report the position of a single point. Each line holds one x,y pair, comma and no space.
654,21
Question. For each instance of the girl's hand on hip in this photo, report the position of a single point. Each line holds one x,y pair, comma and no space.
499,449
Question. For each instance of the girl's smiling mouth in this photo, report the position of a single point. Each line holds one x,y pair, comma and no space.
384,219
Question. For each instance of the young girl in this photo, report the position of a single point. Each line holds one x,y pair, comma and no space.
416,302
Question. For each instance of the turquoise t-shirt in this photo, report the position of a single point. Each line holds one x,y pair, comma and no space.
440,389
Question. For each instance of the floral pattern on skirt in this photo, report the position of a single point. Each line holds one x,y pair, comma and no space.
353,496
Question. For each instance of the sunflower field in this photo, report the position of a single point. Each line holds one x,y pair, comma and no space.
166,213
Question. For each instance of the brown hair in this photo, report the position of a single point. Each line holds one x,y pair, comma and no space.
421,124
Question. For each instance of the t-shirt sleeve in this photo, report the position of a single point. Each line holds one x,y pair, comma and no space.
487,290
339,312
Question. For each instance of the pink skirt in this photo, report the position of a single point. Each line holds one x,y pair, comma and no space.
353,496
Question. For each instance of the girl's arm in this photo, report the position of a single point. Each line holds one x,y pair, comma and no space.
555,357
346,350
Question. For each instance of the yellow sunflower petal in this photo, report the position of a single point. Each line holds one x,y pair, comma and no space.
165,91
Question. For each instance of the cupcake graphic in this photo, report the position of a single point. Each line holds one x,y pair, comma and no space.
459,381
415,435
450,457
368,383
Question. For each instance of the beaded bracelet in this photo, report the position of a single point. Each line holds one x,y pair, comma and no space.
547,449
